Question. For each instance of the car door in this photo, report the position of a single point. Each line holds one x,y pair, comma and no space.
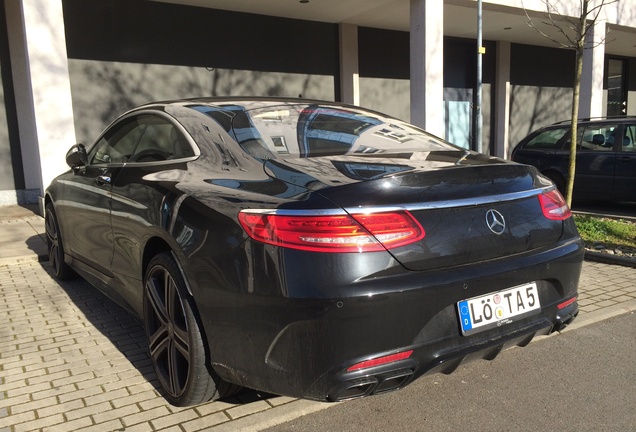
595,161
544,150
625,170
86,205
143,196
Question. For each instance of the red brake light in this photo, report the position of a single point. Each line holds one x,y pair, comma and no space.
566,303
334,233
554,206
380,361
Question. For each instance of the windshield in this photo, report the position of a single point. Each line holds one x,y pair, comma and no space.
301,130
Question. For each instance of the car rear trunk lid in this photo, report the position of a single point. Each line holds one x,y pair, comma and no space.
470,213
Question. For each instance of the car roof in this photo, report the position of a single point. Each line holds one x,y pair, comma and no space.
265,100
607,119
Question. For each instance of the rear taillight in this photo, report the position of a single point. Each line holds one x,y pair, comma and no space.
554,206
380,361
333,233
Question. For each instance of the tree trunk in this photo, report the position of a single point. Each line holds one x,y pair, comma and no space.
574,129
580,45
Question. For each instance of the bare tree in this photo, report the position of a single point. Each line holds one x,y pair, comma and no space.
571,33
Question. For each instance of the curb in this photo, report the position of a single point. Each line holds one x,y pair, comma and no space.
601,315
604,215
273,417
610,259
23,259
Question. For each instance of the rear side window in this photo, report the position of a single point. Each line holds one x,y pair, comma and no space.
161,141
629,143
597,138
548,139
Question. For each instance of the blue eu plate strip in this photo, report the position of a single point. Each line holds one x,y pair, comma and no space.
464,316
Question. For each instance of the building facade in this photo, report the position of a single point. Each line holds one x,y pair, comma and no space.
69,67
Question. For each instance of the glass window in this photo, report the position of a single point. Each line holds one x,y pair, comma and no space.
144,138
597,138
549,139
267,129
616,87
161,141
118,143
155,144
629,138
325,147
339,123
612,137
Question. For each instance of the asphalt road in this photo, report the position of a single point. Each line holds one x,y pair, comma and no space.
580,380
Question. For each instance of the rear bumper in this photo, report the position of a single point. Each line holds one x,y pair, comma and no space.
302,347
427,359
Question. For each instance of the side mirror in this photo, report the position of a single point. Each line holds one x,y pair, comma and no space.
76,156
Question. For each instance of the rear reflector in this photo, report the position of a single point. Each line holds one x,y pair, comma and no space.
333,233
380,361
554,206
566,303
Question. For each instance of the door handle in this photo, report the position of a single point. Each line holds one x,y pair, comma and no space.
625,159
103,180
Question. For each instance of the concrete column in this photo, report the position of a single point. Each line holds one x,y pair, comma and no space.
502,99
427,65
591,103
37,47
631,103
349,70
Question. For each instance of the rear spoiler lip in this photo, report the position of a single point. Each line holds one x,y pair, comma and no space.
463,202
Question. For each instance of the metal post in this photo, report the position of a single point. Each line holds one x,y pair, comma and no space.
478,115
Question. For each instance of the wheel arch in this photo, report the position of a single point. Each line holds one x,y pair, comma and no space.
155,246
557,177
48,199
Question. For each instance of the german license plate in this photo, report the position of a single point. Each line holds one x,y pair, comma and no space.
496,309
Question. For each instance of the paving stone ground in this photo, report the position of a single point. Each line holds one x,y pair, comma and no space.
72,360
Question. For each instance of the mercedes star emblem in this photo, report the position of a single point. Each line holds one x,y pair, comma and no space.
495,221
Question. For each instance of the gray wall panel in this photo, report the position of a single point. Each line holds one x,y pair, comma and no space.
532,107
103,90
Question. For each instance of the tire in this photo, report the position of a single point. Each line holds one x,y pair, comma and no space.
175,341
61,270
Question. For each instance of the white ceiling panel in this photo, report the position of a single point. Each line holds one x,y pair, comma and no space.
460,18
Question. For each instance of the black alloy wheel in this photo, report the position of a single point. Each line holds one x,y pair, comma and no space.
55,246
174,338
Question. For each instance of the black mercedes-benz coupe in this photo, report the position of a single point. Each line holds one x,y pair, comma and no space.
310,248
